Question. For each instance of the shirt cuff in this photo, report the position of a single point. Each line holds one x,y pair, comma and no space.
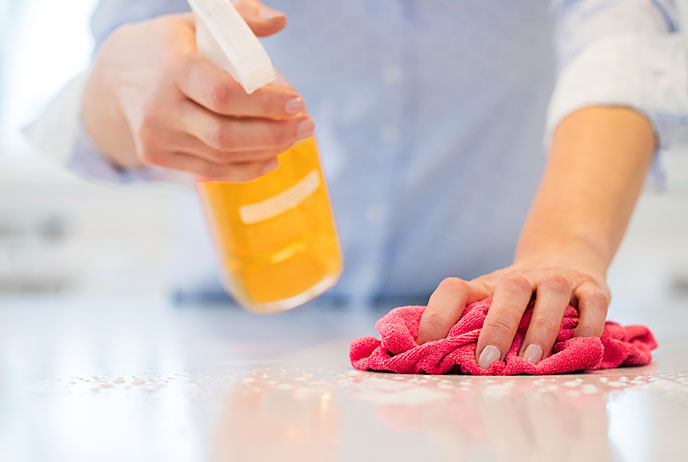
88,161
60,135
53,133
646,73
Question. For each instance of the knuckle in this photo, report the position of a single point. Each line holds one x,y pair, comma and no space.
556,281
517,281
220,94
280,135
268,104
453,288
451,284
596,299
457,285
432,321
219,137
275,138
499,325
544,325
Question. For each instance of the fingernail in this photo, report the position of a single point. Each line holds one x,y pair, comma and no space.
270,165
305,129
533,353
294,106
489,355
267,13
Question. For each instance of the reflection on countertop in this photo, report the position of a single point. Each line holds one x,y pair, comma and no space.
141,380
266,413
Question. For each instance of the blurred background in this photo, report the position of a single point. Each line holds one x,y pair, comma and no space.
61,234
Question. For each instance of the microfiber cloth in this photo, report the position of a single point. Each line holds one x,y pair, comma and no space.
399,352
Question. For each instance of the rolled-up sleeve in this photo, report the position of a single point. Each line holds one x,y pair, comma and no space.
621,53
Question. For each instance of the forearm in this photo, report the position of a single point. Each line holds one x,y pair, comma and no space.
599,159
598,162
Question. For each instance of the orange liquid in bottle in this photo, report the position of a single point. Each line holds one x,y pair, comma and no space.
276,234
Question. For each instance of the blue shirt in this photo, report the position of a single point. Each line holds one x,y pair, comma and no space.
431,117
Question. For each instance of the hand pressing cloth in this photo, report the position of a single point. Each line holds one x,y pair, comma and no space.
399,352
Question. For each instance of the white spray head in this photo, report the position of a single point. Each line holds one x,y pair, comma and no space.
227,41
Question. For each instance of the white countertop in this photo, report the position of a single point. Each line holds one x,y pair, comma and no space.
139,379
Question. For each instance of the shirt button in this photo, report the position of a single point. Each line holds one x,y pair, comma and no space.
391,74
389,133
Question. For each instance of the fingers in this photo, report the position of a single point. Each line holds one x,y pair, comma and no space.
592,308
191,145
201,168
511,297
552,297
167,154
217,91
445,308
262,20
231,134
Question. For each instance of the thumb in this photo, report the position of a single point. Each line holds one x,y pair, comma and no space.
262,20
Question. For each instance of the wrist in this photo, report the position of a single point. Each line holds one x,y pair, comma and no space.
587,255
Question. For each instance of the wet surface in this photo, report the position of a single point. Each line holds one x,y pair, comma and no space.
140,380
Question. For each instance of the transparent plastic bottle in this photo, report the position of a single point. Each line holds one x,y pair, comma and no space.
275,235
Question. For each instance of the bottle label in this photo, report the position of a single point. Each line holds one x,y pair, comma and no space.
287,199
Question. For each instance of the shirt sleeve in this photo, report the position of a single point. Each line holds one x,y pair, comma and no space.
620,53
59,134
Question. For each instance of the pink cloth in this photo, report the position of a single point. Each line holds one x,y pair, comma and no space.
399,352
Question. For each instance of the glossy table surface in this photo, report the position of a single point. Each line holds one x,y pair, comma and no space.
140,379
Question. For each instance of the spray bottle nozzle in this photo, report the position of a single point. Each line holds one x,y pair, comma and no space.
227,41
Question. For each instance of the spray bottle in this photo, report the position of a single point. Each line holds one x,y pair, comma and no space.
275,235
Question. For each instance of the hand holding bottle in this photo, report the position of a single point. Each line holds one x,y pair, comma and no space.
152,99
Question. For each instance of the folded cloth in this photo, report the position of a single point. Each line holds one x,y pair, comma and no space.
399,352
